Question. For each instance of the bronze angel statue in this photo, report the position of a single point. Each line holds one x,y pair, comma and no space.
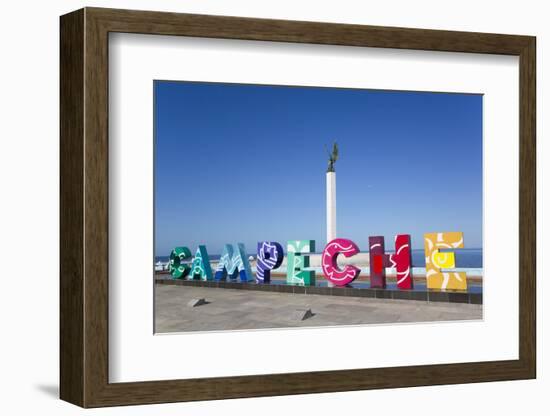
332,157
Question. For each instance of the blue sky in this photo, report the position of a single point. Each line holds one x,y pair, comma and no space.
245,163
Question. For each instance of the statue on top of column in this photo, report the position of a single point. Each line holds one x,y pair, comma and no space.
332,157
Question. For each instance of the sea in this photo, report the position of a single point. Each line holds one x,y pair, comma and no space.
466,258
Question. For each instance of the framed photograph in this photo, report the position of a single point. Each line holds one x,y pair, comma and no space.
254,207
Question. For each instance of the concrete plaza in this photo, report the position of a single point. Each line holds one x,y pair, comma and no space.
231,309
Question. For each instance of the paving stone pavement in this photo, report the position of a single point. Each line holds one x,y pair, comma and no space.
230,309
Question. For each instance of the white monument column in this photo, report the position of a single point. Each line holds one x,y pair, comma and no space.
331,210
331,206
331,197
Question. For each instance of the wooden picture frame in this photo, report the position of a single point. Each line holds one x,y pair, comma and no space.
84,207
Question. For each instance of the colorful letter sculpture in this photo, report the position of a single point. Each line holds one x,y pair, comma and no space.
379,260
329,261
270,256
401,260
297,261
436,260
177,268
234,263
201,265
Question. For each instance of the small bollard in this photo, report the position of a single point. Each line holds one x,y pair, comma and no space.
196,302
302,314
